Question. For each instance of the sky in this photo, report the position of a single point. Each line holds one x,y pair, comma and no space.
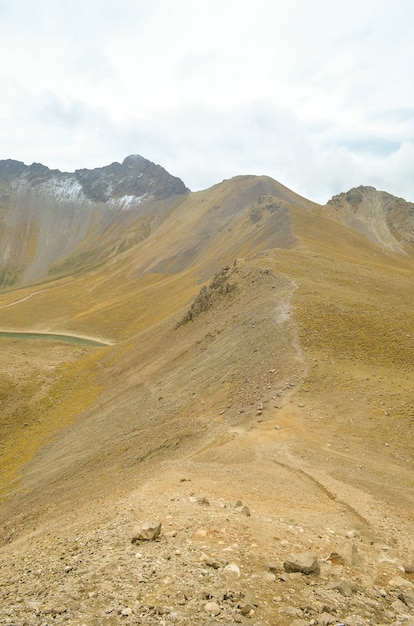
317,94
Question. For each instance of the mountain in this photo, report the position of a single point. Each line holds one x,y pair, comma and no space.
53,222
382,217
252,391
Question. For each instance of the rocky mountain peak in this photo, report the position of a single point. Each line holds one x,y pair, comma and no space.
135,176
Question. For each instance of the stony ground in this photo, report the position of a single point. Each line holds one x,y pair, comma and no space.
257,451
219,558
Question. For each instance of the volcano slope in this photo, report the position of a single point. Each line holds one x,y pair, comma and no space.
261,354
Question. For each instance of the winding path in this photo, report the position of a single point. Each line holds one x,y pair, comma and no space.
68,337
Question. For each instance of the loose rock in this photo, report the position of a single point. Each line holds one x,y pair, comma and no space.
232,569
303,562
148,531
239,507
212,608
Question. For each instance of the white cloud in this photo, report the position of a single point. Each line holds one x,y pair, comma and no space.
317,94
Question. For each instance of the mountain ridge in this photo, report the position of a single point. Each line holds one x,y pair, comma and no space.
125,177
255,397
53,223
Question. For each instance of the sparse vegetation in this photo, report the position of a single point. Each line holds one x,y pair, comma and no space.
283,379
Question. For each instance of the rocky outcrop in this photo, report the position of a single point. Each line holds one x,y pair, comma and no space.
220,286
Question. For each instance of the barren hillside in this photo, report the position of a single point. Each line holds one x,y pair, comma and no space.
255,398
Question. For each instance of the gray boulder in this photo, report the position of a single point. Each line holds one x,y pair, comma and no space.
303,562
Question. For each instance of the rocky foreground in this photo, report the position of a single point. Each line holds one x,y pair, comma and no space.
197,560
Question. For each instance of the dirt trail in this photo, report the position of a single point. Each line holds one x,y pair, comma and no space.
31,295
52,334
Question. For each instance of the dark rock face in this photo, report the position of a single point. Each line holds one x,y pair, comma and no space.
33,174
135,176
10,169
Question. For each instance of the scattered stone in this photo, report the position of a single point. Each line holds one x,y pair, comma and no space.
355,558
336,559
325,619
399,581
407,598
127,612
212,563
351,534
303,562
293,611
93,577
148,531
399,607
239,507
235,504
161,610
344,588
203,502
354,620
244,510
232,569
250,599
273,567
212,608
247,605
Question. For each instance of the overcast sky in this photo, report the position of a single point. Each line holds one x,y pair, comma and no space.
318,94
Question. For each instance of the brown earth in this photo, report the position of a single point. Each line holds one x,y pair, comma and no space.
288,387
